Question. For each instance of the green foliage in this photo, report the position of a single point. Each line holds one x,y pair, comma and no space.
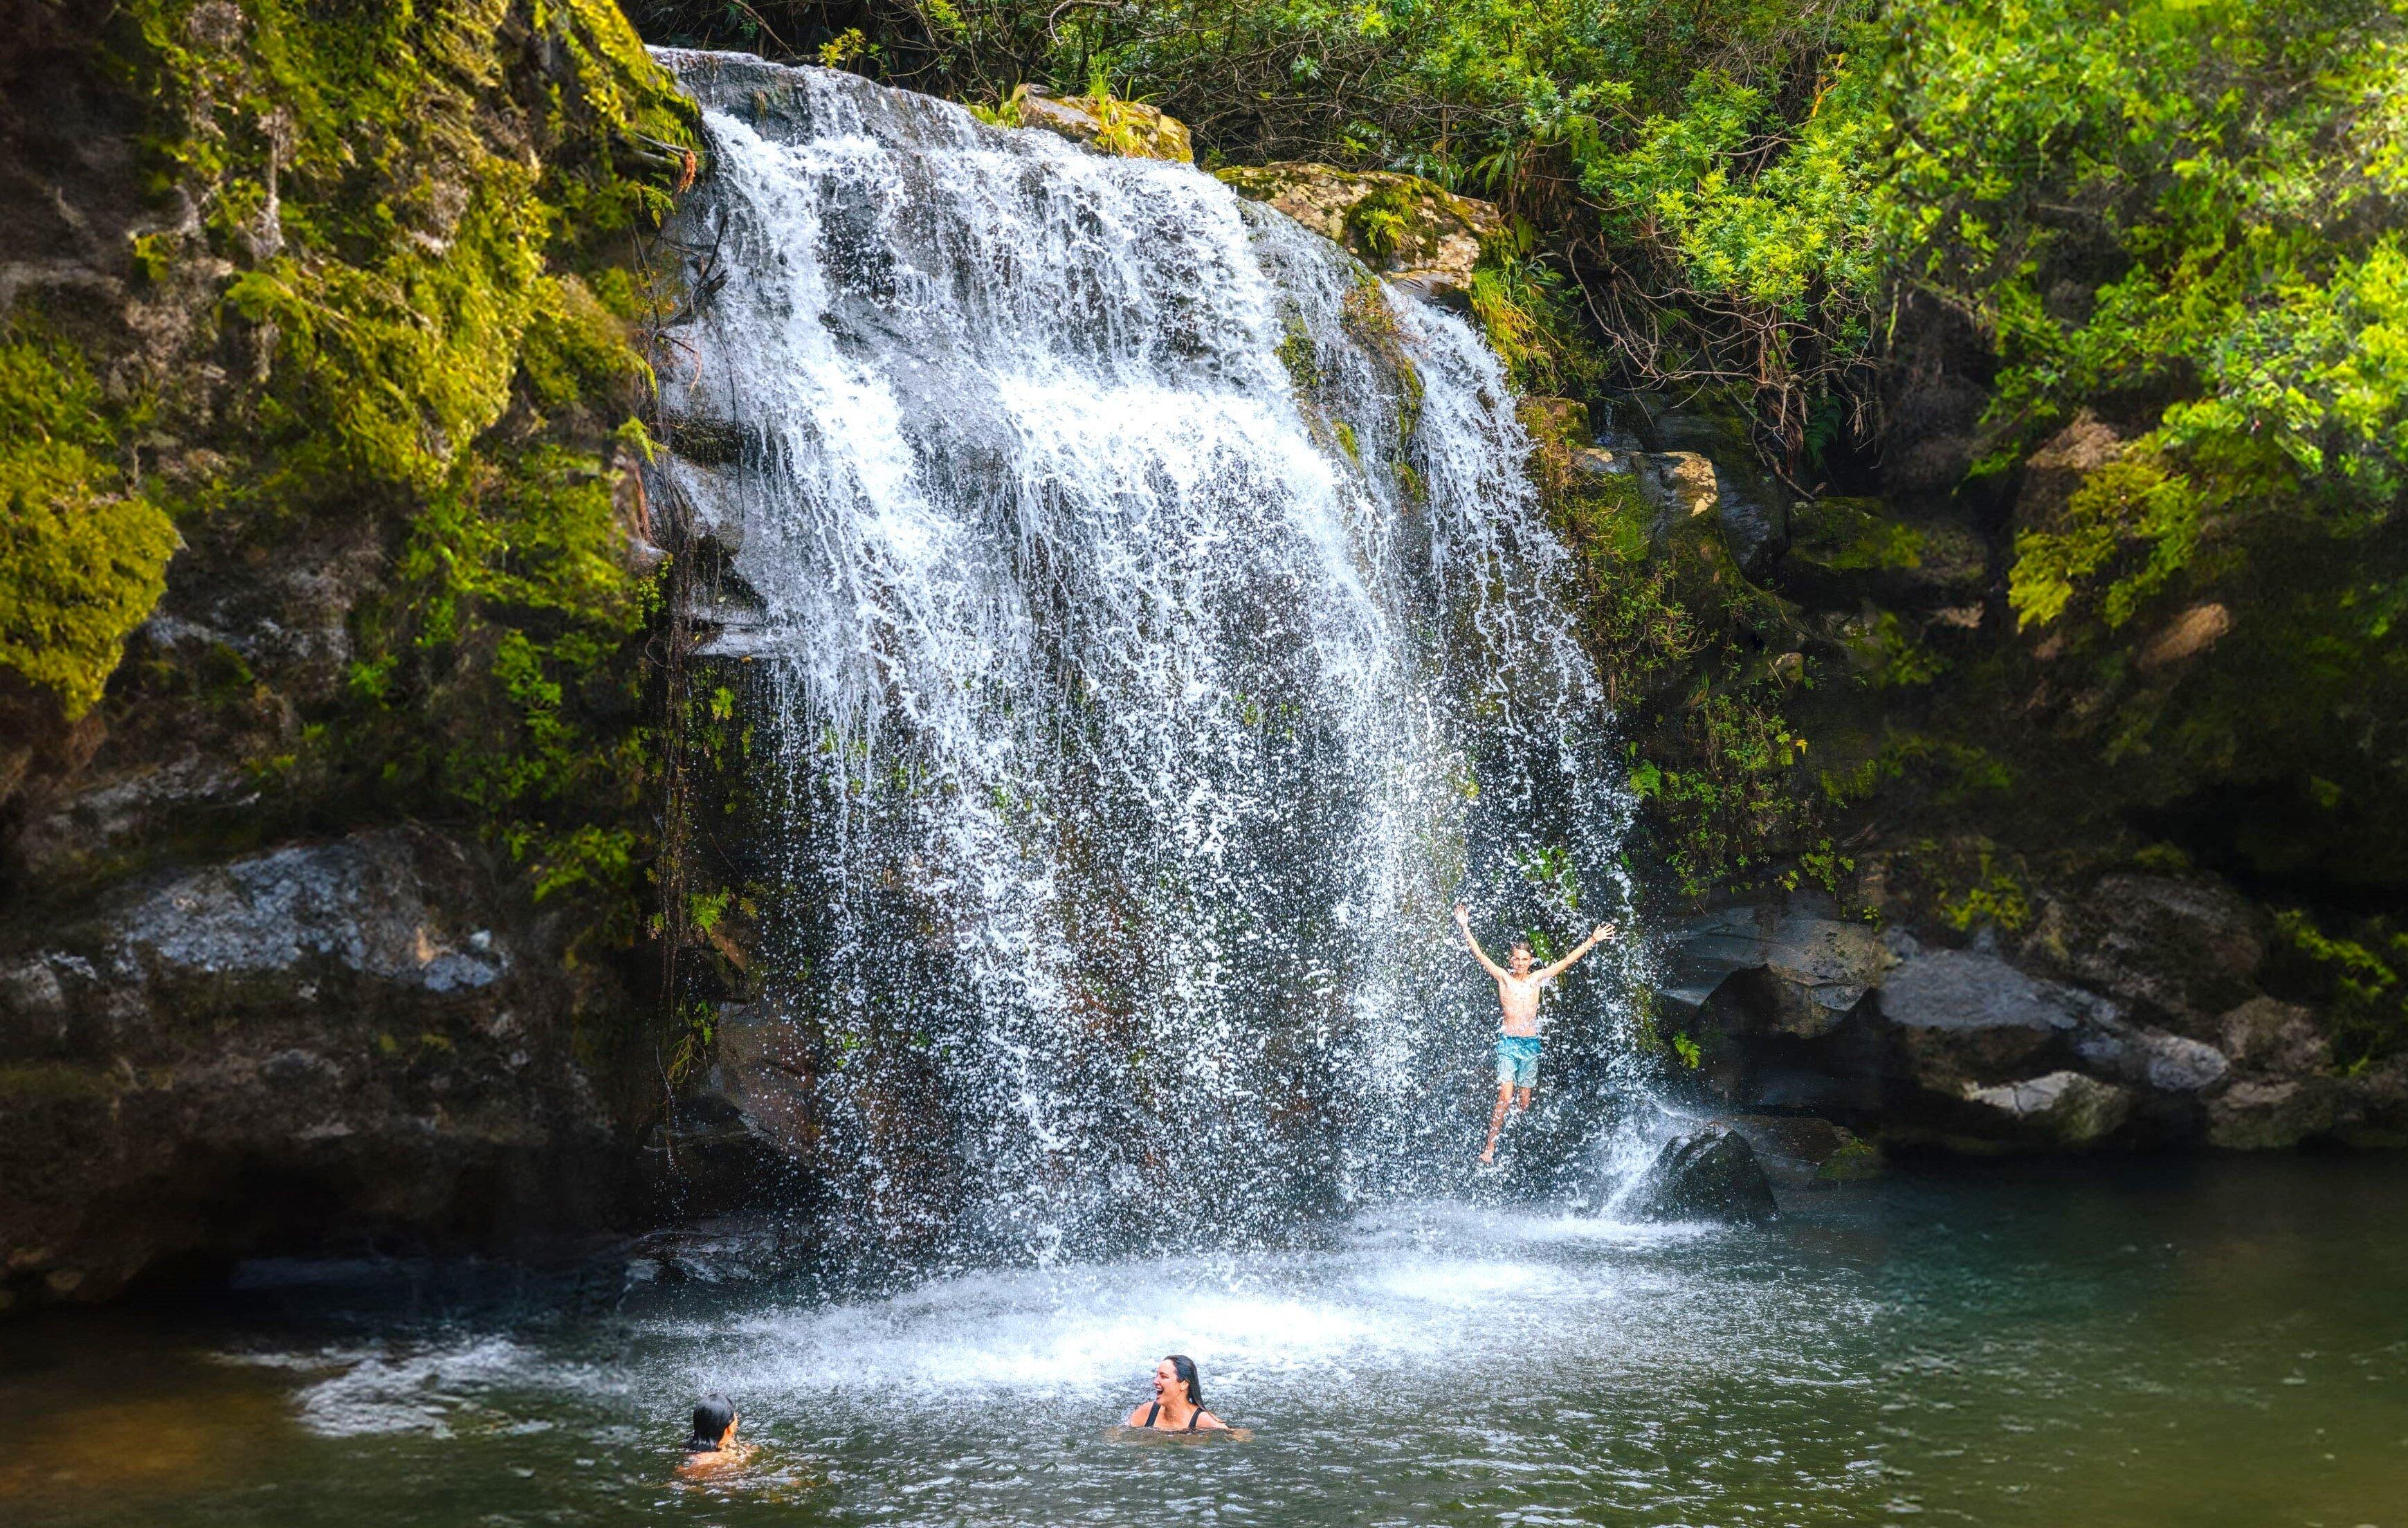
1378,222
2362,1004
1524,311
2195,205
82,558
393,252
1550,870
1943,770
1733,807
2132,520
1896,656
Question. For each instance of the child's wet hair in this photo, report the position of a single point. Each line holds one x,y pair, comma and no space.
711,1416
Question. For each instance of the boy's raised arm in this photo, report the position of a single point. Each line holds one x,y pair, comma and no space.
1596,936
1463,921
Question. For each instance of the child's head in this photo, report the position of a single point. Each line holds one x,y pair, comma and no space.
1520,959
714,1424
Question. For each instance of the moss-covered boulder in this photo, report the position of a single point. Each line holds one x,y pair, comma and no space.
1102,121
1398,224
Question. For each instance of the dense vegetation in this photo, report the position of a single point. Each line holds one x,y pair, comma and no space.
2163,242
2167,238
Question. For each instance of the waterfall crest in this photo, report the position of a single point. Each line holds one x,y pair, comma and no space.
1149,633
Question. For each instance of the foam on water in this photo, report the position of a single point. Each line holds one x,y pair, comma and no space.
2113,1347
1423,1291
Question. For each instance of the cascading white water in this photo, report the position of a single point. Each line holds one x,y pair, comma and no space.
1154,633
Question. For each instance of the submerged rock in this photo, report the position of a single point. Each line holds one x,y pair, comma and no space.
1707,1175
1804,1152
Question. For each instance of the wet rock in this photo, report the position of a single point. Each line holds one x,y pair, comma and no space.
1414,230
716,1251
83,830
2179,951
763,1078
1774,998
1755,528
2258,1115
1707,1175
1558,433
1803,1151
2187,635
2147,1058
2267,1035
1965,1017
1823,966
321,1041
2373,1111
1845,553
1681,484
2057,470
1750,509
2063,1109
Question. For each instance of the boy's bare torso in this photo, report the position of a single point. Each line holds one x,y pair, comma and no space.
1519,997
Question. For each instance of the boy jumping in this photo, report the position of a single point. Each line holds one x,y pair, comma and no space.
1517,1039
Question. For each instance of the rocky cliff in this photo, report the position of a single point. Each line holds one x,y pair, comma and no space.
1899,889
323,601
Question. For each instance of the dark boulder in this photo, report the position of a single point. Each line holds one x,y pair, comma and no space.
361,1042
1805,1152
1707,1175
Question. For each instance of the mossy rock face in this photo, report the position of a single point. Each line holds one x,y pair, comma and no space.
318,502
1844,552
1396,223
1106,124
1558,432
326,276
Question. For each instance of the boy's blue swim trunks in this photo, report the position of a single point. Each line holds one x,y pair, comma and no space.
1517,1059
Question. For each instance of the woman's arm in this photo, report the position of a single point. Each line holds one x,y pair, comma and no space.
1596,936
1206,1422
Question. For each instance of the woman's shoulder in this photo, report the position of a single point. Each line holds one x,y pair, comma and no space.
1136,1416
1205,1418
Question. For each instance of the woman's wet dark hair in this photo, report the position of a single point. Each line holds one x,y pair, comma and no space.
712,1415
1184,1367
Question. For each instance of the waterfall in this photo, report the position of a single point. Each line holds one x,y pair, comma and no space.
1148,632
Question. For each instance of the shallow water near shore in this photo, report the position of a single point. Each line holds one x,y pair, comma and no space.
2140,1341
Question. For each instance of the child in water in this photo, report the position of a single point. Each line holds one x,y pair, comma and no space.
713,1445
1517,1040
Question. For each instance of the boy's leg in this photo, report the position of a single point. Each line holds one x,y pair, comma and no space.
1523,1101
1496,1119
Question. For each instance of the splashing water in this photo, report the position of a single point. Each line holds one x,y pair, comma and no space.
1151,633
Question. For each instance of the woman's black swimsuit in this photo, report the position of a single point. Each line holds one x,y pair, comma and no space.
1155,1410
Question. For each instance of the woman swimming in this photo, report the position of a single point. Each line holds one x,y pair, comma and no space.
1178,1405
